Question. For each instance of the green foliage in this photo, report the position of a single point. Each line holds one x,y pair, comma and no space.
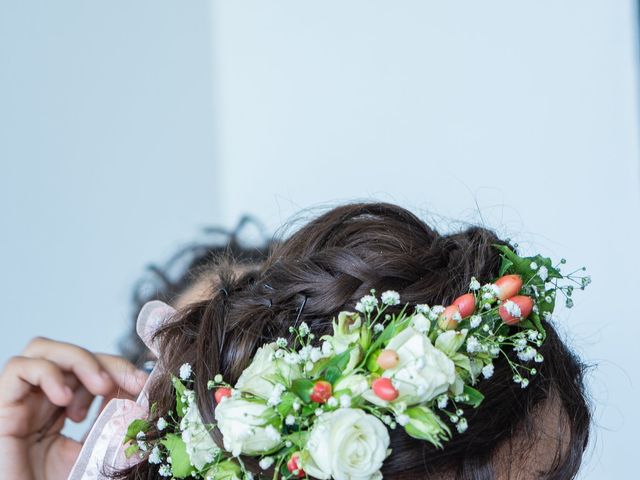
180,464
179,388
302,388
134,428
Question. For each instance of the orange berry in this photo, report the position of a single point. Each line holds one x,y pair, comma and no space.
388,359
293,465
508,286
222,392
321,392
384,389
449,319
515,309
466,304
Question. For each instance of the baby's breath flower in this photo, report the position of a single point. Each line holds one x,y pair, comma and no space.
332,402
462,425
296,405
265,463
475,321
345,401
402,419
487,370
569,303
527,354
538,358
185,371
217,378
161,424
155,457
367,304
512,308
443,400
276,394
473,345
422,308
378,328
281,342
318,412
533,266
543,273
524,383
390,297
474,284
290,420
165,471
303,329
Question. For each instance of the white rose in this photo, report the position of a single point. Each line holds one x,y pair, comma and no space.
246,426
346,444
264,364
423,372
357,383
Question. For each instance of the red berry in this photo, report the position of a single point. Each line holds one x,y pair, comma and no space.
321,392
449,319
384,389
388,359
508,286
521,304
466,304
293,465
222,392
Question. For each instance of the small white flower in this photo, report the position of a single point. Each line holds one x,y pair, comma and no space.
524,383
217,378
443,400
308,366
290,420
265,463
281,342
390,297
327,348
303,329
279,354
543,273
162,424
533,266
292,358
318,412
532,335
185,371
367,304
165,471
422,308
538,358
332,402
461,426
276,394
474,284
512,309
475,321
296,405
378,328
402,419
520,344
155,457
345,401
473,345
487,370
315,354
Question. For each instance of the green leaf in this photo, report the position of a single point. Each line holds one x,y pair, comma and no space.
302,388
475,397
180,464
298,438
134,428
286,403
180,388
334,368
131,450
535,319
505,266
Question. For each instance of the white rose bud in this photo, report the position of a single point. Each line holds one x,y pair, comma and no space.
253,378
348,333
246,426
424,424
346,444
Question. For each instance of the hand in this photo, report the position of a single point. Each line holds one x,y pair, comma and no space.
50,382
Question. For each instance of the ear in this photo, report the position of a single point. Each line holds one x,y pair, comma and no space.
152,316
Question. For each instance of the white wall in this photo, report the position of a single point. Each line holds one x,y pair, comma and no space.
106,158
525,112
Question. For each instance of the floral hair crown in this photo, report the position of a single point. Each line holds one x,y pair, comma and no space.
322,408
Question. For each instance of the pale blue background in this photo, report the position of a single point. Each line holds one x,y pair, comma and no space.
126,126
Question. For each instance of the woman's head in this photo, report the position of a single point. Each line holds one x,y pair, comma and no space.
325,268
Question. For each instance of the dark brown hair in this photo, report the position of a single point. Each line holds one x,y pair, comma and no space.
325,267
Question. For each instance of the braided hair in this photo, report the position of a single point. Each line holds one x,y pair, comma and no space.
324,268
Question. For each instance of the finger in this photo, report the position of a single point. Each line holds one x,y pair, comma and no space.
74,359
22,373
79,406
125,375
